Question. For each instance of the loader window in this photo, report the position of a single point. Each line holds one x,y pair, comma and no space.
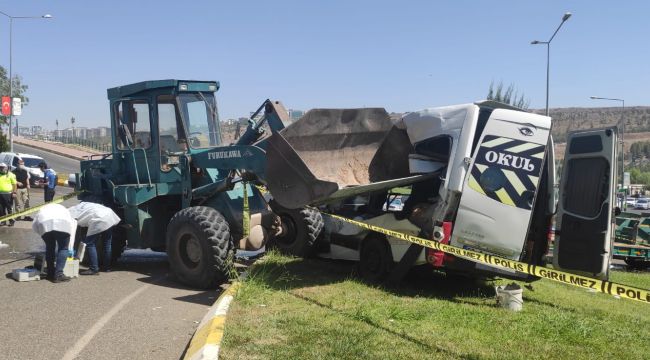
171,135
199,113
135,115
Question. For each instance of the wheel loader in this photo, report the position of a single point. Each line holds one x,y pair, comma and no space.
179,188
479,176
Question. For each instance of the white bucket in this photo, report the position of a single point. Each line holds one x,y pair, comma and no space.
509,296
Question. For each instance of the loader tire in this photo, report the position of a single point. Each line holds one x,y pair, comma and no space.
301,228
375,259
199,247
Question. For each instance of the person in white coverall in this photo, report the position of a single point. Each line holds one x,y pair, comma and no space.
54,225
99,220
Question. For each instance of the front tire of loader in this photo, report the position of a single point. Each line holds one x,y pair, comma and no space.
199,247
301,228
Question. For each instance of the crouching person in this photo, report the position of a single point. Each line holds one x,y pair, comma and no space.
54,225
99,220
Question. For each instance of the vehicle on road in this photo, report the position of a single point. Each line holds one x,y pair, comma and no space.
630,202
72,180
394,205
31,162
482,177
178,188
642,203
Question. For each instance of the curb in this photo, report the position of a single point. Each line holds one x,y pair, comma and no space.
57,152
206,340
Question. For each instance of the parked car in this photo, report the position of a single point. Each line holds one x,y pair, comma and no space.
630,202
72,180
395,205
31,162
643,204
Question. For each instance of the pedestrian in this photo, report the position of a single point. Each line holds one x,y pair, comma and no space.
23,182
8,187
49,181
99,220
54,225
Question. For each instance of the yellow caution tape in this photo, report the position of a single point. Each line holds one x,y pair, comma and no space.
247,213
607,287
34,209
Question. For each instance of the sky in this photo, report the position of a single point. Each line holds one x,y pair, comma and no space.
401,55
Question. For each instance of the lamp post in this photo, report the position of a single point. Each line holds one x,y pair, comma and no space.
11,80
548,53
622,126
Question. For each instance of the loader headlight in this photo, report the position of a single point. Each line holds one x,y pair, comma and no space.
492,179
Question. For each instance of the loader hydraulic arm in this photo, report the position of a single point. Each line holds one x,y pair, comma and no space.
275,115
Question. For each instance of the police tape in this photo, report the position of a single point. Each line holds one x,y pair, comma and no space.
607,287
34,209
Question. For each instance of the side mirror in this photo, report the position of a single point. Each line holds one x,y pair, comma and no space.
125,135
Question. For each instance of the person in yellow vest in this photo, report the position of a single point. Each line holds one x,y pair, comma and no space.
8,188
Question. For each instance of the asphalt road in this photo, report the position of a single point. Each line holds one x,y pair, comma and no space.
57,162
137,311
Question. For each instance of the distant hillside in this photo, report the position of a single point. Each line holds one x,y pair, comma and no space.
637,120
637,123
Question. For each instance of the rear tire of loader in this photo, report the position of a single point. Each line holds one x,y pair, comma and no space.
301,228
199,247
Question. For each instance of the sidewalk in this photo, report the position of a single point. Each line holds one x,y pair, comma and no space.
58,148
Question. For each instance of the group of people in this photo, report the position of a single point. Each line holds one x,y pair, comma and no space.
55,223
15,186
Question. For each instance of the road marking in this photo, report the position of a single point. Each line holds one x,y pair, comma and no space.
78,347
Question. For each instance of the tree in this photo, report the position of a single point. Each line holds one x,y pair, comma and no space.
509,96
19,90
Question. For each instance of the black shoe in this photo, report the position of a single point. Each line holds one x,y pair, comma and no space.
28,218
11,223
106,269
89,272
62,278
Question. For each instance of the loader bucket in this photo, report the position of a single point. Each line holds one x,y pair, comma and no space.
330,149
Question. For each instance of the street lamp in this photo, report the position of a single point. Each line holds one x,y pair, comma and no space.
11,80
548,52
622,126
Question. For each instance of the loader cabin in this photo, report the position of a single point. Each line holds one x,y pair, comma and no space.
158,121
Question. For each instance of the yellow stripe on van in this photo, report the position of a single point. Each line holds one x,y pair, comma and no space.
521,147
513,179
504,197
538,155
474,185
533,179
495,142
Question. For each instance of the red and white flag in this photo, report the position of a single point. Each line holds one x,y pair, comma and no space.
6,105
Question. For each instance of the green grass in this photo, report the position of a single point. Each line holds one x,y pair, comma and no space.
291,308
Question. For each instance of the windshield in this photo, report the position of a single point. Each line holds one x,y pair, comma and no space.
200,119
32,162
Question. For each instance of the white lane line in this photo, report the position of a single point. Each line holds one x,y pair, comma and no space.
76,349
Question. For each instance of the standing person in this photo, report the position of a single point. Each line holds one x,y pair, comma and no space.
99,220
54,225
8,187
23,180
49,181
